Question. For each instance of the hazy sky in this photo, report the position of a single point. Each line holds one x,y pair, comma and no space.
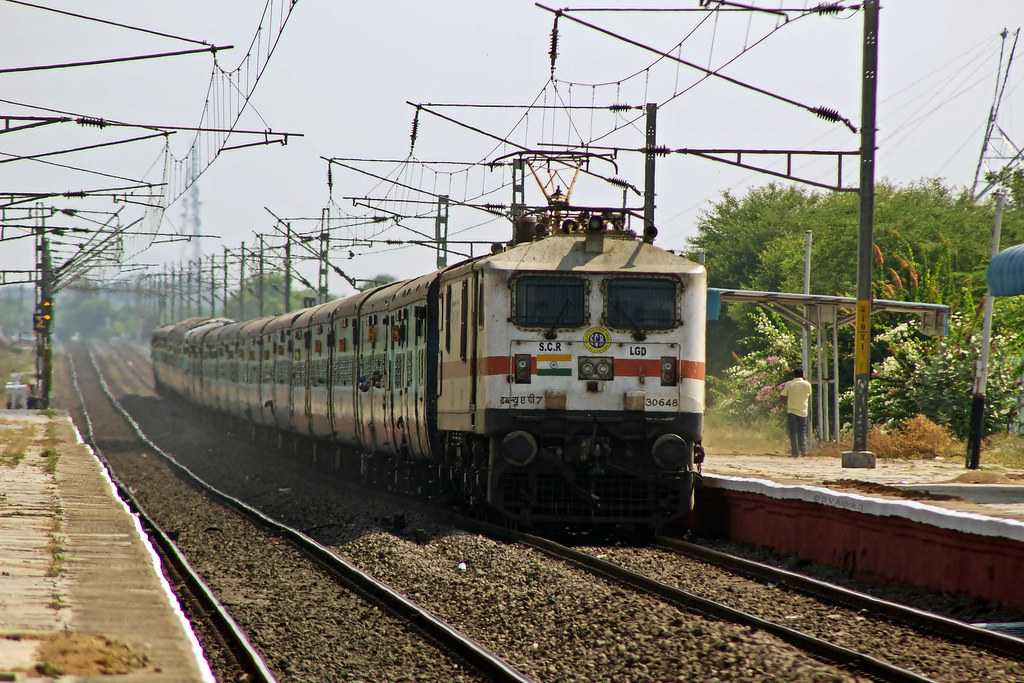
343,72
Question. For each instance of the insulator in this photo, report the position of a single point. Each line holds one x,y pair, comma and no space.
620,107
494,207
658,150
330,178
553,50
415,130
620,182
828,8
828,114
91,121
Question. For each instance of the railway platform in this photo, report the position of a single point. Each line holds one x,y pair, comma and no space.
927,523
81,591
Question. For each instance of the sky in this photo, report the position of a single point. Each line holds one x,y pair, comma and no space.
342,74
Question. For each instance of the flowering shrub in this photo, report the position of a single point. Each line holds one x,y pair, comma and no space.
933,377
752,388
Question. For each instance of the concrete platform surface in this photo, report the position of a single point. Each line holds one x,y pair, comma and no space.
996,492
81,593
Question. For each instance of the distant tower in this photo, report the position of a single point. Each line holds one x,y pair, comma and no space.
998,151
190,211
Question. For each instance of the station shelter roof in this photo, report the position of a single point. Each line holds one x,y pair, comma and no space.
1006,272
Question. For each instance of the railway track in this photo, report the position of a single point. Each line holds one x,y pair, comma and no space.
821,648
229,635
926,621
434,630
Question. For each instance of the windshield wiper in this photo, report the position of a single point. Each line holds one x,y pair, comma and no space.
550,334
638,333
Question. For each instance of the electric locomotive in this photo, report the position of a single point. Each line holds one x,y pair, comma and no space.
557,380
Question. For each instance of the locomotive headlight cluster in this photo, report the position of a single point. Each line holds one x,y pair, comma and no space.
669,372
595,367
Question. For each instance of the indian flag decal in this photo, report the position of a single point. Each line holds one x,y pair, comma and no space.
554,364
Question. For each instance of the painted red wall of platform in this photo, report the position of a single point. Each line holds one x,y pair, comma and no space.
869,547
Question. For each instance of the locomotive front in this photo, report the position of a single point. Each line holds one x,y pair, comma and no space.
596,414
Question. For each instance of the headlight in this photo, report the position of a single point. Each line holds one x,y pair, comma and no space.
522,368
669,373
596,367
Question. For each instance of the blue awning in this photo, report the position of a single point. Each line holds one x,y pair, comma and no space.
1006,272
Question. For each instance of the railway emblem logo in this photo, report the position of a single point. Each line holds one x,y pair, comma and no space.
597,339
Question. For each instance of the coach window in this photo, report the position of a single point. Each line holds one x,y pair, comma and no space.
641,303
464,320
549,302
448,319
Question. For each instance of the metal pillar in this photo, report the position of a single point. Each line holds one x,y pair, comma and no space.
288,267
805,346
518,190
441,231
650,232
224,285
822,405
260,289
977,425
860,456
325,245
241,284
188,291
835,374
213,286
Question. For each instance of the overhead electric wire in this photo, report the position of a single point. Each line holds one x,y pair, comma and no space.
36,157
74,168
822,112
108,22
111,60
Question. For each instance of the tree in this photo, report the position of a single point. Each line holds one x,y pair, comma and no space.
376,281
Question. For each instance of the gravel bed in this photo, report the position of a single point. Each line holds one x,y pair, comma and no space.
307,626
954,606
550,620
934,657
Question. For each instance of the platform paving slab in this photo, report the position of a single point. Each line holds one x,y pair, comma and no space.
80,588
991,491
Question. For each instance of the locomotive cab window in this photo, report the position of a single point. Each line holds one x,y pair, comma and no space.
641,303
549,302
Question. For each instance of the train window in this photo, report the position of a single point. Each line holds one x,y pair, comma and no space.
464,320
641,303
549,302
448,319
480,303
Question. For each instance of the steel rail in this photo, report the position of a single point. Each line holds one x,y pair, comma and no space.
677,597
920,619
682,599
234,638
478,656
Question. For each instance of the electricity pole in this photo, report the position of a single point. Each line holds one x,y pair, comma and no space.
287,267
262,313
224,285
213,286
860,456
650,232
241,285
976,428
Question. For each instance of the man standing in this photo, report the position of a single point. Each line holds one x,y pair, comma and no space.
797,392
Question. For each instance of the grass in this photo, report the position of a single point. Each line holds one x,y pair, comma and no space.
14,442
1004,450
56,544
764,436
16,359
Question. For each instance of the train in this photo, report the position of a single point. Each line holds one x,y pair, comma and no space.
556,380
